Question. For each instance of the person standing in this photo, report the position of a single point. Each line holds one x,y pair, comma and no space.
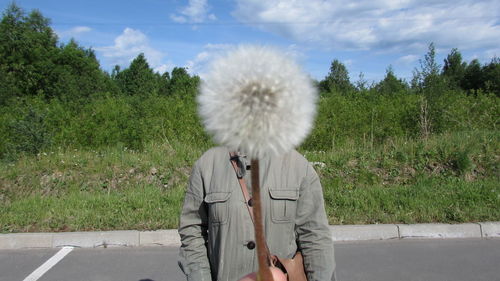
216,230
255,101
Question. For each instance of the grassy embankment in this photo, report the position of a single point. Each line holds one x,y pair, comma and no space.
448,178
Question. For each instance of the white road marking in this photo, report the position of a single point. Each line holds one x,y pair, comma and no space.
48,264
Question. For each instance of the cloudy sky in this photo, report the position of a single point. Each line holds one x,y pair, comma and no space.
366,35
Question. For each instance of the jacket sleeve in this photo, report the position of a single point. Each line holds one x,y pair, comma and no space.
193,231
312,229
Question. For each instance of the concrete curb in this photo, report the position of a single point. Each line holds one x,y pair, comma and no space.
466,230
364,232
170,237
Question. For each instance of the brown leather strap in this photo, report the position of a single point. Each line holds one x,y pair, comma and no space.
243,185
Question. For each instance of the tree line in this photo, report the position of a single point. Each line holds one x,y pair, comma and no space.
437,89
34,63
55,94
455,74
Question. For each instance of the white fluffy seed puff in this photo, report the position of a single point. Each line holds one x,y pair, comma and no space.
258,101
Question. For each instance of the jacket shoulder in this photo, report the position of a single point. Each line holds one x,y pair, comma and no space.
297,158
212,156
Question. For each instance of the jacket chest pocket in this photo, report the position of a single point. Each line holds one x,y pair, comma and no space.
218,207
283,204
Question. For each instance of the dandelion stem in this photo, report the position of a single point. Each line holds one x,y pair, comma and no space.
264,273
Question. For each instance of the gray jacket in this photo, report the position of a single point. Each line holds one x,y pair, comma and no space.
216,230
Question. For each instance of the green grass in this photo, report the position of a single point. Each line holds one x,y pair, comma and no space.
75,190
448,178
427,200
143,207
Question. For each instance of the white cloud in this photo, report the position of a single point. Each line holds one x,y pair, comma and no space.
81,29
128,45
295,52
199,65
164,67
348,62
197,11
491,53
377,25
73,32
407,60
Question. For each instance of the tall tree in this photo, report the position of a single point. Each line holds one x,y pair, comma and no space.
338,78
454,68
76,73
428,82
27,45
391,84
361,83
138,79
32,63
164,84
428,79
473,77
115,71
491,73
182,83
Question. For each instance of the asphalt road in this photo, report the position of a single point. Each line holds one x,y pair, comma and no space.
390,260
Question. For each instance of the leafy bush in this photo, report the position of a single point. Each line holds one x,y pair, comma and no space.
32,124
467,112
24,128
362,119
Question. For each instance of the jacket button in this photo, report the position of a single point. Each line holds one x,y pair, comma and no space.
251,245
250,202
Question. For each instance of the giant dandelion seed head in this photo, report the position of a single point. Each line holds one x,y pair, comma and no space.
258,101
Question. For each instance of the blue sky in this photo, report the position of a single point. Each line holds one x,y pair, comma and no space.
367,36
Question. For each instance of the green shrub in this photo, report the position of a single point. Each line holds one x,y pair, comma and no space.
362,119
32,124
24,127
